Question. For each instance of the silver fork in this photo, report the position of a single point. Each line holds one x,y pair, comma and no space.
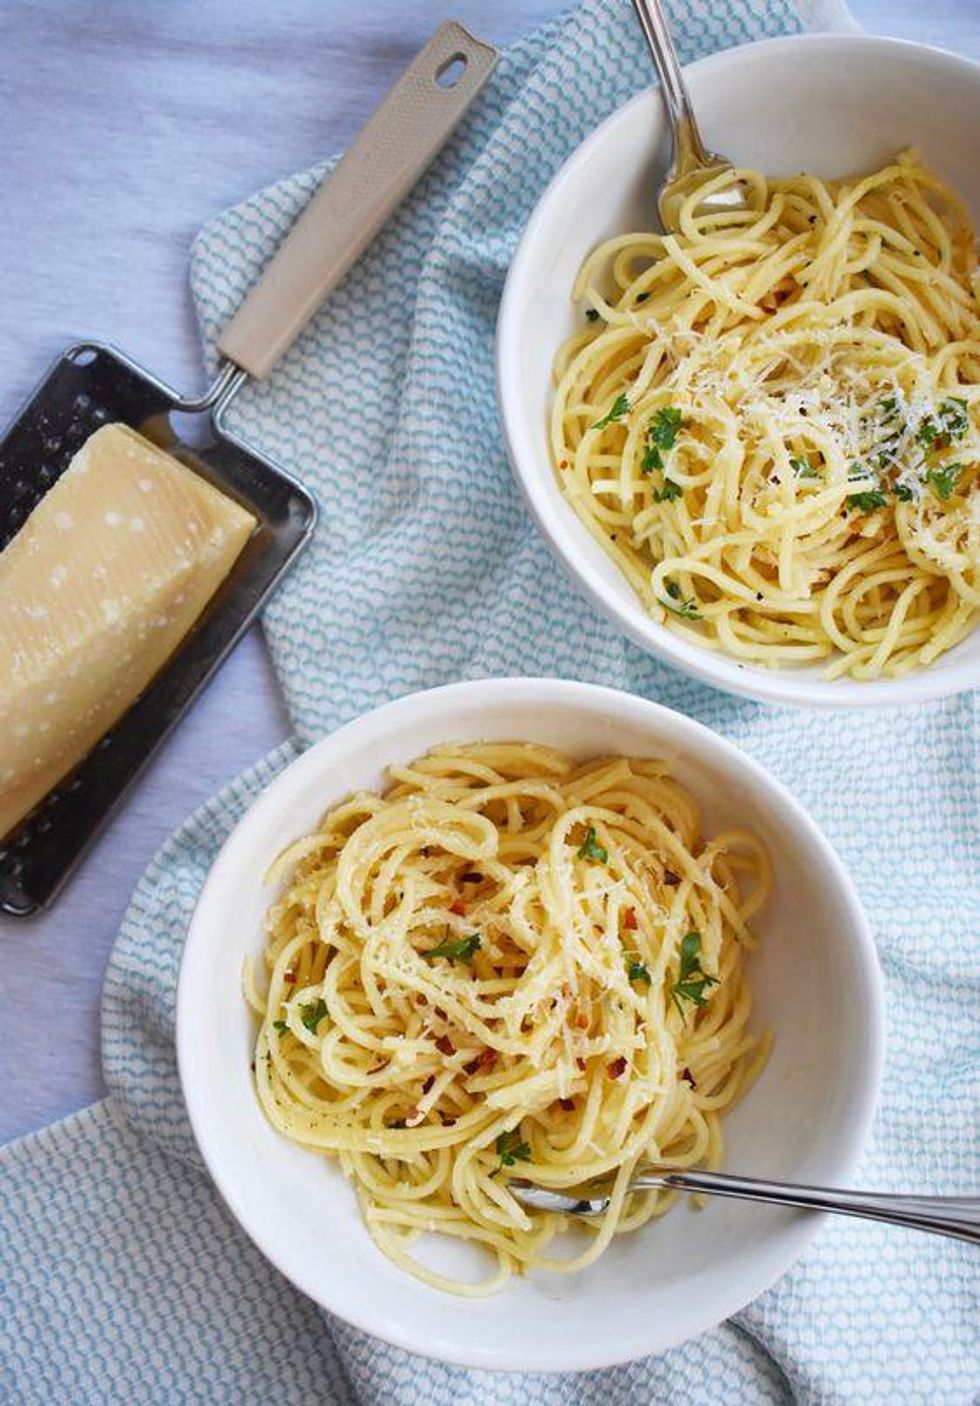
692,163
958,1216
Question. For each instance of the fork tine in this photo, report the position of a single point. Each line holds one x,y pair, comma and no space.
542,1198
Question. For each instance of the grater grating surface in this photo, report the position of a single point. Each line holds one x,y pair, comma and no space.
88,386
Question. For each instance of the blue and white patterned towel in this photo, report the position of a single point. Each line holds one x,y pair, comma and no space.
123,1277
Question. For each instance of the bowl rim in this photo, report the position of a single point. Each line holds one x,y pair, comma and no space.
373,729
615,600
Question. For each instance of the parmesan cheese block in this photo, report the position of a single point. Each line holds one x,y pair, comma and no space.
97,589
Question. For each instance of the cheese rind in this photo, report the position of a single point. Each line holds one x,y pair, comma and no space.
97,589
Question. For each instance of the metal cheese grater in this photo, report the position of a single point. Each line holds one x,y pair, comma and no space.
91,385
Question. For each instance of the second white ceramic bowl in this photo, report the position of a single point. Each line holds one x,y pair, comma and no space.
830,104
816,986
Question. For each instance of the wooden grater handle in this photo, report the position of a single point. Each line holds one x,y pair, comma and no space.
379,168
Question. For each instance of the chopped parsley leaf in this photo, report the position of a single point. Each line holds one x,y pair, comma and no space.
691,980
592,314
661,435
511,1150
280,1025
951,421
802,468
668,492
312,1013
652,459
638,971
686,609
954,417
944,479
903,493
665,427
927,432
867,502
673,590
462,950
620,407
590,848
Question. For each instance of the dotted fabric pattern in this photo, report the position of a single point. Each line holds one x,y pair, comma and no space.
122,1278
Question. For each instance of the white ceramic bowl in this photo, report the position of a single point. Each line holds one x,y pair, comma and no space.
816,985
831,104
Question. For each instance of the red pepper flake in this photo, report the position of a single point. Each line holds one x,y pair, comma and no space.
289,978
440,1013
425,851
486,1059
580,1062
446,1121
563,463
566,990
568,1104
458,907
428,1083
671,879
445,1046
629,920
471,877
420,1000
617,1069
686,1074
581,1021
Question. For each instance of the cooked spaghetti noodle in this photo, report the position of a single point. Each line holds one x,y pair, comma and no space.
508,965
771,421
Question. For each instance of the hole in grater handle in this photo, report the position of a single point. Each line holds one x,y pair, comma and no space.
82,355
449,73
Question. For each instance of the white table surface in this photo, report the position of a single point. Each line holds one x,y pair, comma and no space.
126,125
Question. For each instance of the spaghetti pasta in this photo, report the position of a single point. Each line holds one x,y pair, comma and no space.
508,964
771,421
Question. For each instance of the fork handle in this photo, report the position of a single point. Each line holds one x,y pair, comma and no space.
958,1216
689,149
